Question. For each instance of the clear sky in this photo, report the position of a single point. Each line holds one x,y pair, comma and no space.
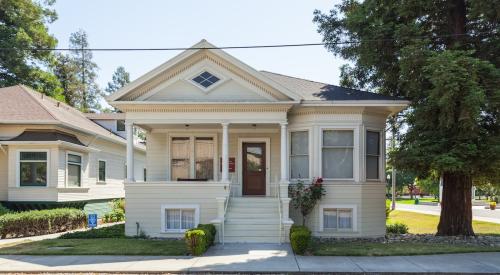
182,23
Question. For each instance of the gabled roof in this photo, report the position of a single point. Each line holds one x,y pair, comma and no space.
47,135
22,105
105,116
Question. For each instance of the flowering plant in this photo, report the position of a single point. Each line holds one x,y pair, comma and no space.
304,197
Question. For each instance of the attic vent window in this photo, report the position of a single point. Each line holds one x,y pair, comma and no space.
206,79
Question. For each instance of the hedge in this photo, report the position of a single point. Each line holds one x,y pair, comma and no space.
3,210
397,228
198,240
41,222
210,232
300,238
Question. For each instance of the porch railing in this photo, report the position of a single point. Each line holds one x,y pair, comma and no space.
278,195
225,211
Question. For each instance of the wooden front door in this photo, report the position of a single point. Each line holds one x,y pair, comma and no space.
254,168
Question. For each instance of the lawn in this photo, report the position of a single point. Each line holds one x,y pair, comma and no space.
103,241
412,201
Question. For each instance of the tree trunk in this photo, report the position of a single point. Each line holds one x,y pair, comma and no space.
456,205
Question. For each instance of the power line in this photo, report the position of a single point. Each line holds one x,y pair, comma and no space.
246,46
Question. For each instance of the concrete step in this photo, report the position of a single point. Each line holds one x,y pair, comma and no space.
251,227
261,215
247,233
252,239
244,210
252,221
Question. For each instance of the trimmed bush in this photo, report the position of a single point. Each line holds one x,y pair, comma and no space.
196,241
294,228
3,210
397,228
210,232
117,213
300,238
41,222
114,231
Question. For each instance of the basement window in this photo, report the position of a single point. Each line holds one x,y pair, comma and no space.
206,79
179,218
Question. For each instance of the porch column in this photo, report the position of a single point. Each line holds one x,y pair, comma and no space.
129,128
284,159
225,152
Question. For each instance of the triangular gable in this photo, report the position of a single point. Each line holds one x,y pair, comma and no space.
147,85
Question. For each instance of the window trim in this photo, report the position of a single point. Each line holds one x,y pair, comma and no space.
381,153
124,126
355,151
81,170
105,170
18,167
354,208
210,70
309,152
164,207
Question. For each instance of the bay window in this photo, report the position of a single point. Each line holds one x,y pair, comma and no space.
299,155
74,170
33,168
337,154
372,155
192,158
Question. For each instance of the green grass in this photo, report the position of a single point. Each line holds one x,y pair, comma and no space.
412,201
114,231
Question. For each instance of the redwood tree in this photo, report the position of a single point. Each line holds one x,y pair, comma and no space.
443,56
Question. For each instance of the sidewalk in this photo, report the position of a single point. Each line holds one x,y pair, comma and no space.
255,258
478,213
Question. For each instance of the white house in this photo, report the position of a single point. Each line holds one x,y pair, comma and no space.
224,141
51,154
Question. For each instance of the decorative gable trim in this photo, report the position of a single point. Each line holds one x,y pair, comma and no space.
206,108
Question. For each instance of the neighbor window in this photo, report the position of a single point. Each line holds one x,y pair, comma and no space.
180,219
192,158
372,154
33,168
299,155
102,171
74,170
144,173
337,154
337,218
206,79
120,125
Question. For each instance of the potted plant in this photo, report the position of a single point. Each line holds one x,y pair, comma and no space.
493,205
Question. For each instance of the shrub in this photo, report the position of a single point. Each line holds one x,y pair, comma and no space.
397,228
210,232
40,222
196,241
3,210
117,213
300,238
304,198
298,228
114,231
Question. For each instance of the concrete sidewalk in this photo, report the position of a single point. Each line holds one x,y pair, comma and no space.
478,213
264,258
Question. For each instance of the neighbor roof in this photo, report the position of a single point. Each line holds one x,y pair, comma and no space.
105,116
47,135
317,91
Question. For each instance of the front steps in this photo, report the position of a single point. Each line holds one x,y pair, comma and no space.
252,220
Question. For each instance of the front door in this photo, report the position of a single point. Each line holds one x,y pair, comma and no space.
254,169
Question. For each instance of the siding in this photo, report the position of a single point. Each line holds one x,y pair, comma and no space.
156,156
3,174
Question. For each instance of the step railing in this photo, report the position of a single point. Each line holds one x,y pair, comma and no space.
280,222
225,211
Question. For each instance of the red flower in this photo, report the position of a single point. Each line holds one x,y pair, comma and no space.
319,180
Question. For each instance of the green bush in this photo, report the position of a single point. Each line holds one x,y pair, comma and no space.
114,231
294,228
117,213
300,238
40,222
397,228
196,241
210,232
3,210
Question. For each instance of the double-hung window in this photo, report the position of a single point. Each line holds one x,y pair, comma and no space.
74,165
102,171
178,218
372,155
337,154
32,168
192,158
120,125
338,219
299,155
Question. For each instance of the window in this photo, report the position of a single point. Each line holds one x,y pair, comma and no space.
341,219
192,158
120,125
74,170
33,168
299,155
337,154
102,171
144,173
178,218
206,79
372,155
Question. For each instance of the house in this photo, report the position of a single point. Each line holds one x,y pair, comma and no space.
51,155
224,141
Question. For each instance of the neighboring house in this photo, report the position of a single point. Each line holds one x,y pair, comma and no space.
115,122
224,142
52,155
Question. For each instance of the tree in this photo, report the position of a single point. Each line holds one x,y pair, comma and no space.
120,78
23,27
429,185
304,198
443,56
66,70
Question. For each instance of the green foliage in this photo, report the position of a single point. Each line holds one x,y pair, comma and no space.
120,78
397,228
114,231
117,213
300,239
210,232
40,222
429,185
3,210
387,208
304,198
196,241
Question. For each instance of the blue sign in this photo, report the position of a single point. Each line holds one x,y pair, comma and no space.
92,221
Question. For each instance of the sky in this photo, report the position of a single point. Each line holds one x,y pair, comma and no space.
168,23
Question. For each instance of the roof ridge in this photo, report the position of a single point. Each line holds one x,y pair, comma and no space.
31,92
299,78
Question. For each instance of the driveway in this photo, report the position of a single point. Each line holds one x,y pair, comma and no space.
263,258
479,213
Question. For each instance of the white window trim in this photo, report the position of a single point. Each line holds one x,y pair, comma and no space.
381,164
192,167
354,208
309,152
355,151
81,170
105,171
18,167
210,70
164,207
265,140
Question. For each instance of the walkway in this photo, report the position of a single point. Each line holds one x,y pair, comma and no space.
255,258
479,213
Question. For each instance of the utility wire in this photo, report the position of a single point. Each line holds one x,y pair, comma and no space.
248,46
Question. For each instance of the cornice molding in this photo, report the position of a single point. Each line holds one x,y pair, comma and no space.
204,108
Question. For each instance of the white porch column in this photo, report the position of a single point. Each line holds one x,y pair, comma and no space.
225,152
284,159
129,128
